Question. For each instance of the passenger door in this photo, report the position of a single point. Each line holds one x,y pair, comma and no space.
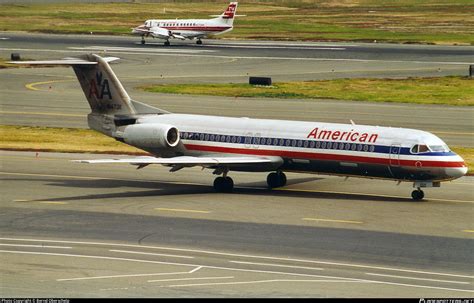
395,155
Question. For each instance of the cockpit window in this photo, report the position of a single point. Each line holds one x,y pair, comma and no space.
439,148
419,148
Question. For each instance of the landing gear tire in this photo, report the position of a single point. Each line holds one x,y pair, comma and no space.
143,41
167,43
417,195
223,184
199,42
276,180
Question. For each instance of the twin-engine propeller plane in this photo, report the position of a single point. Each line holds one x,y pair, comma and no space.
188,28
226,144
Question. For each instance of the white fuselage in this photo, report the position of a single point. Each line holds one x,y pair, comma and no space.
191,28
330,148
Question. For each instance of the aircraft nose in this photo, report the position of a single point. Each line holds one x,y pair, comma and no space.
456,172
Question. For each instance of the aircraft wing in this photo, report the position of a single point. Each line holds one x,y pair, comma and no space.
157,32
186,161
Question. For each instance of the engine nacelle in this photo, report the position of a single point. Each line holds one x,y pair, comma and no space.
151,135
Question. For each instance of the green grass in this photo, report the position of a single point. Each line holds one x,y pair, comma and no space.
402,21
61,140
75,140
442,90
5,64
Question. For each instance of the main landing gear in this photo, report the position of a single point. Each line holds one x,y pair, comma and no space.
225,184
167,43
277,179
143,40
199,42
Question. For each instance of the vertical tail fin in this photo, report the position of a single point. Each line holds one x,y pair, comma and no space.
230,12
102,88
228,15
107,98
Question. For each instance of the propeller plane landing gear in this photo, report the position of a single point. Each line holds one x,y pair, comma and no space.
277,179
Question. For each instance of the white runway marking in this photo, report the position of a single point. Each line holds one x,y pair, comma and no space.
276,265
247,57
187,279
415,278
239,269
143,50
151,254
133,275
294,47
266,281
245,256
124,276
39,246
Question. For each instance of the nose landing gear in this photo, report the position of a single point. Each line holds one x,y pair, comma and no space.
417,195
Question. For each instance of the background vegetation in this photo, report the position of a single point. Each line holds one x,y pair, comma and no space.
401,21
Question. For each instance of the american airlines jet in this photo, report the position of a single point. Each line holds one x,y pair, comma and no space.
188,28
225,144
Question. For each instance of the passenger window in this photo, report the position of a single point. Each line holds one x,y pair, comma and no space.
293,143
354,146
212,137
366,147
300,143
305,144
311,144
323,145
341,146
206,138
372,148
329,145
201,137
287,143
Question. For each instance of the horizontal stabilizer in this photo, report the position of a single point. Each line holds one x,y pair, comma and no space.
65,61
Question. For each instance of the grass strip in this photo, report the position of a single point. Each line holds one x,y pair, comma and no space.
69,140
74,140
401,21
450,90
